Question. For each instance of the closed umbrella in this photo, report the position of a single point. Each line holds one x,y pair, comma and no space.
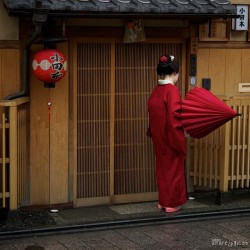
203,112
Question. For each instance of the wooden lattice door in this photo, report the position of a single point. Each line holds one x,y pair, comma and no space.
115,161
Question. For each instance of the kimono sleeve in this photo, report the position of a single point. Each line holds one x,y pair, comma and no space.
175,131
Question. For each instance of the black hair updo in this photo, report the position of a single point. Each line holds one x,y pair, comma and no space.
167,65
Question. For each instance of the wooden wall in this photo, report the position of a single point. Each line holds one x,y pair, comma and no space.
9,71
49,140
227,67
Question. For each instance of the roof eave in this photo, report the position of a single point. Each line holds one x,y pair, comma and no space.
82,14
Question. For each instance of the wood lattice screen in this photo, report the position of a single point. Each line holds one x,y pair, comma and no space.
13,160
114,81
93,135
221,160
239,146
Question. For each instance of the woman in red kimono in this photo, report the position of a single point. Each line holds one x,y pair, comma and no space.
166,131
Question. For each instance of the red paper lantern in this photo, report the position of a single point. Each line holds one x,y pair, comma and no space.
49,65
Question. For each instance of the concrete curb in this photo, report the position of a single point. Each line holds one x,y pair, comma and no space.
169,218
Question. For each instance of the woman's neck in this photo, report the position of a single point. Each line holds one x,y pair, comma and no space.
166,80
169,79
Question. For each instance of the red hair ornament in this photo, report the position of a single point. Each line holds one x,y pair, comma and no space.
166,58
163,59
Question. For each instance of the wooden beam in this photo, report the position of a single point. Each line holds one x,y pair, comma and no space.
14,103
13,158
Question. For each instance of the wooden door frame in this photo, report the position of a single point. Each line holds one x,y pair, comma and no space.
73,121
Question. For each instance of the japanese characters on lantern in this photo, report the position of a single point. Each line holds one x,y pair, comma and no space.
49,65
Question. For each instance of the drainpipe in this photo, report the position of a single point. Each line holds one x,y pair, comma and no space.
39,20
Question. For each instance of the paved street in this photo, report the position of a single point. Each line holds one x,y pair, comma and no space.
230,233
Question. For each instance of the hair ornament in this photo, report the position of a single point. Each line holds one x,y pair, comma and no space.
164,59
167,65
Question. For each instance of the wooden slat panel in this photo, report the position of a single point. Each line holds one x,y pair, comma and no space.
244,146
217,153
239,147
93,102
114,82
135,79
235,151
207,170
22,170
239,144
13,156
232,153
13,183
204,159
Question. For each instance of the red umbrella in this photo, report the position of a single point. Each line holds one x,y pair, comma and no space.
203,112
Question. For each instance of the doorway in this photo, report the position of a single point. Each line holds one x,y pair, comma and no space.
115,161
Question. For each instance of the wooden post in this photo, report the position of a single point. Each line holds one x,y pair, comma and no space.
224,162
189,179
112,125
13,157
3,161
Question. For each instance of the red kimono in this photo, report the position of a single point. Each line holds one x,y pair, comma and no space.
166,131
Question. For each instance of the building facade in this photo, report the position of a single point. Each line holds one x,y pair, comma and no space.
89,147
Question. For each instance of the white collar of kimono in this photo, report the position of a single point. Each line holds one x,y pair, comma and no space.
163,82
